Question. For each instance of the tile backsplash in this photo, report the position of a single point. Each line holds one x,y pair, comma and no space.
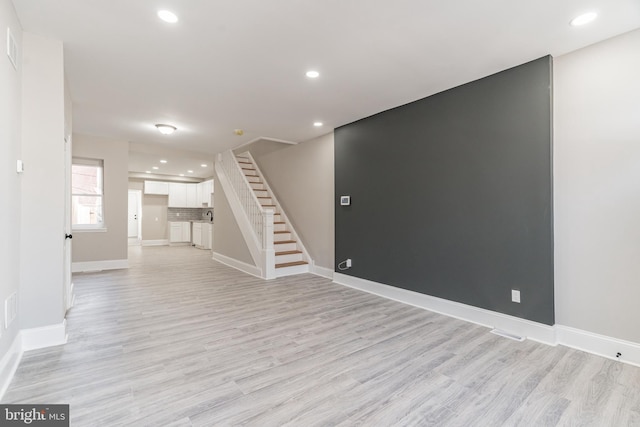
187,214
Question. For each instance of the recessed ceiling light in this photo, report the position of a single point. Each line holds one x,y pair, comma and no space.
167,16
203,165
189,171
313,74
181,174
147,171
166,129
583,19
317,124
163,161
155,167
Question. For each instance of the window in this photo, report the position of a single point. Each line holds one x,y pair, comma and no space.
87,194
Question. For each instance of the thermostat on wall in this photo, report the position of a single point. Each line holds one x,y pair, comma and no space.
345,200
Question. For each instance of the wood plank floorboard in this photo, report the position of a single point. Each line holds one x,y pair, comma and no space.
181,340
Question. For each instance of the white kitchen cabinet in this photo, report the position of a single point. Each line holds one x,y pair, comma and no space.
207,234
197,234
192,196
202,234
179,232
206,189
156,187
177,195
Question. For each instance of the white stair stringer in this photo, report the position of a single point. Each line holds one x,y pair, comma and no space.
285,238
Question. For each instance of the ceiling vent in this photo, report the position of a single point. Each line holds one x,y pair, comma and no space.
12,49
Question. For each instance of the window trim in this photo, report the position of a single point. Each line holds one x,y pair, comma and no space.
99,163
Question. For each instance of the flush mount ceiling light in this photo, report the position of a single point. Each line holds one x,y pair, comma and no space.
313,74
163,161
189,171
583,19
167,16
166,129
155,168
317,124
203,165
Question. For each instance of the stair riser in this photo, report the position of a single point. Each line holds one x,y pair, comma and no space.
256,186
261,193
277,218
279,227
254,179
266,201
283,247
281,259
279,237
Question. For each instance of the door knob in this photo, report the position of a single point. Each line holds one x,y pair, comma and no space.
68,236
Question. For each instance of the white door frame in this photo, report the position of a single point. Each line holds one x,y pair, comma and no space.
68,295
138,194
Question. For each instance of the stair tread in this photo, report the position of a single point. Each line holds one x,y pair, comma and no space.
263,197
281,232
291,264
280,242
279,222
288,253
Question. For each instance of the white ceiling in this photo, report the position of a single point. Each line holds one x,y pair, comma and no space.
242,63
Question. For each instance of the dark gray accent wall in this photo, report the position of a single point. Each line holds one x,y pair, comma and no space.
451,195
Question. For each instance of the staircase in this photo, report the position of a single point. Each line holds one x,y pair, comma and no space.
271,239
289,258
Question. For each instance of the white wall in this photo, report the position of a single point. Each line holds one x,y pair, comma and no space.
10,181
42,202
597,188
91,246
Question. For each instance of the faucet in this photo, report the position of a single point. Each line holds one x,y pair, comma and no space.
210,213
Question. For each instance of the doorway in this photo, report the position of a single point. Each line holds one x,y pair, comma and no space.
134,218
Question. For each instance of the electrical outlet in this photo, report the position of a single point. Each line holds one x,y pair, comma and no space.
349,263
515,295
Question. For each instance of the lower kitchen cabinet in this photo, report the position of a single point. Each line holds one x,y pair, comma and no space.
202,235
179,232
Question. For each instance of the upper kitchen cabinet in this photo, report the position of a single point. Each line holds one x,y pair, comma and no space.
177,195
205,189
156,187
190,195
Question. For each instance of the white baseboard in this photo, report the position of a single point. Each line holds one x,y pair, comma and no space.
491,319
9,364
238,265
110,264
601,345
45,336
322,271
162,242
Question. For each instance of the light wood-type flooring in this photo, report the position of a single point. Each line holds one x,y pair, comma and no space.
180,340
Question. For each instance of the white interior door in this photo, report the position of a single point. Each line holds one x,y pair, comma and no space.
134,214
67,279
